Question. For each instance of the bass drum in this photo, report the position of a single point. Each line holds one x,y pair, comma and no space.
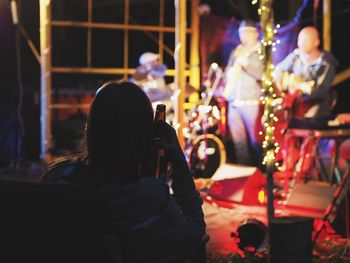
206,153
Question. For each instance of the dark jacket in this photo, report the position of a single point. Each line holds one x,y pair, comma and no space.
150,223
322,72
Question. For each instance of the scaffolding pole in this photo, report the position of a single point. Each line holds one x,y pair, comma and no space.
47,69
180,64
194,58
327,32
46,81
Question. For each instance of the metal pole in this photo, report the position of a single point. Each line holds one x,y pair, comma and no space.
267,24
327,32
161,34
126,36
45,57
89,36
180,64
194,58
114,26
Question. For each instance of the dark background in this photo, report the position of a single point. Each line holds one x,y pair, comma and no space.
69,48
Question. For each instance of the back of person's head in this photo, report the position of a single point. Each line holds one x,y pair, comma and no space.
120,132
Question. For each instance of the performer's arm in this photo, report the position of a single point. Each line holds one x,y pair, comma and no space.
285,65
322,86
254,66
231,59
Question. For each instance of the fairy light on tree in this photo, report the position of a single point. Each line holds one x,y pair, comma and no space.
270,147
268,45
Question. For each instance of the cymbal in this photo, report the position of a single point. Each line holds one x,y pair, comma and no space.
159,94
189,89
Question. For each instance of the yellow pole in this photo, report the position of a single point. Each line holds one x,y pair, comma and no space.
194,58
89,36
46,81
327,19
161,34
180,64
126,36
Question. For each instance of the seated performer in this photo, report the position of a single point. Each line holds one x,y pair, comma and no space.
150,73
307,73
305,76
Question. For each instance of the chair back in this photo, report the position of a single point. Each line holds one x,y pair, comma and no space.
48,222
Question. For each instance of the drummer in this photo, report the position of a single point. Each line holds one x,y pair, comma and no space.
149,75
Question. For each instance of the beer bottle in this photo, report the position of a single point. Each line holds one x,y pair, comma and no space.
159,119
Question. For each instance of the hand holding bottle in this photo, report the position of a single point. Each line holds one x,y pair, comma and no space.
173,151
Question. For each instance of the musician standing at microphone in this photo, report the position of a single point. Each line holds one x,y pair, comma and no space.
242,91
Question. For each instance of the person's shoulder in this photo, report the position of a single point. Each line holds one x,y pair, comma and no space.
291,57
151,198
140,73
152,190
150,186
294,54
329,58
66,169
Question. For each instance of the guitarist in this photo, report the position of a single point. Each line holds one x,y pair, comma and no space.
307,88
312,72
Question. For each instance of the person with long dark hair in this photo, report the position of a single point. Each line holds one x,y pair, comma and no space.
150,223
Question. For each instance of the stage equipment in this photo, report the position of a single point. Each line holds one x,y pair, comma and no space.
290,240
341,220
310,200
159,94
206,154
204,148
237,183
312,131
251,233
332,207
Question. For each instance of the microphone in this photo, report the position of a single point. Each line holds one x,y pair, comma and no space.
214,66
14,12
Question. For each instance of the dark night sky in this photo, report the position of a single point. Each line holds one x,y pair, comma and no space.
142,10
29,15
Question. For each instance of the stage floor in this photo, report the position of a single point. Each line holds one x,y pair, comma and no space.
223,219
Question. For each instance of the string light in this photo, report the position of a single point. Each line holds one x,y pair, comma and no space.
270,147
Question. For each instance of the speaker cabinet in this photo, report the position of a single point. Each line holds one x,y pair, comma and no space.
237,183
291,240
310,199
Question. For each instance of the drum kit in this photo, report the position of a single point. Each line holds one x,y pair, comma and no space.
206,129
205,124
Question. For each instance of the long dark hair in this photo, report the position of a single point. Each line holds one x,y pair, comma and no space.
120,132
